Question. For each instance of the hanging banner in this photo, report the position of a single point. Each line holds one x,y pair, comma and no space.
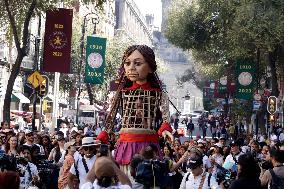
57,41
222,85
245,77
95,60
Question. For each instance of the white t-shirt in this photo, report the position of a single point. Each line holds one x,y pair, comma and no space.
281,137
95,185
191,182
82,172
206,162
273,137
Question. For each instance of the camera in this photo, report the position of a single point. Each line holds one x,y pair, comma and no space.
103,150
223,175
8,163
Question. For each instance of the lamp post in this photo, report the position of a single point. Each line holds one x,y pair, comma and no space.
95,21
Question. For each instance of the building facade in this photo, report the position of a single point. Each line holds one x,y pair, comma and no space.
131,24
178,62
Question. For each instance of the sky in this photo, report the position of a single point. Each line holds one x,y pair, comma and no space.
152,7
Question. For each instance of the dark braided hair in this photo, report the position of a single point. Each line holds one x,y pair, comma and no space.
149,57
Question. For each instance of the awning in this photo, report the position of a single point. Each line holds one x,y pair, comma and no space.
48,98
19,97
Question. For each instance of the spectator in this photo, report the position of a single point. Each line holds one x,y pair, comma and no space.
108,176
248,173
216,158
277,159
82,165
9,179
12,146
68,161
28,171
197,176
190,128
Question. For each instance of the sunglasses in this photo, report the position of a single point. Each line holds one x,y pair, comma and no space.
90,148
29,135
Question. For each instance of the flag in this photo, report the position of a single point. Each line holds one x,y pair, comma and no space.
245,78
57,41
95,60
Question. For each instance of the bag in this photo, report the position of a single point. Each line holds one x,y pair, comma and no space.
152,173
277,182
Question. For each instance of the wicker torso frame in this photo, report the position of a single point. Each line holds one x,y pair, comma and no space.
139,108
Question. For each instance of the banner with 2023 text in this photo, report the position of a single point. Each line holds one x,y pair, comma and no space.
95,60
245,77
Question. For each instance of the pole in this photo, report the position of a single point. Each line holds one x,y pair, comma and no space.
55,102
40,110
34,111
95,22
36,66
257,87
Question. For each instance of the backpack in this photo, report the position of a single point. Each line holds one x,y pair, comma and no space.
277,182
153,172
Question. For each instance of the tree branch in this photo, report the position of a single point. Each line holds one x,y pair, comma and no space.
13,24
27,22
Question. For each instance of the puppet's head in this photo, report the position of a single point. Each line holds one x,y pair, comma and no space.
140,66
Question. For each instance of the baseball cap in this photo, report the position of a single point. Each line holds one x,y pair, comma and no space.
234,143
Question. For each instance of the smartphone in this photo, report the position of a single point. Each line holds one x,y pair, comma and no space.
104,150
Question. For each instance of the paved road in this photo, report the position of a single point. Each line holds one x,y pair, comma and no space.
195,132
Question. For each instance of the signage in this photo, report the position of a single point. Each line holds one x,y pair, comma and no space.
256,105
57,40
245,70
272,104
95,60
35,79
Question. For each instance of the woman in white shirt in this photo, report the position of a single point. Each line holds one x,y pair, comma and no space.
216,158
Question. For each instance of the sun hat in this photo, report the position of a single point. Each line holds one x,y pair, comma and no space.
89,141
68,144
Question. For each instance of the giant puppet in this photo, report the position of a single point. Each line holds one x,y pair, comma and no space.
141,102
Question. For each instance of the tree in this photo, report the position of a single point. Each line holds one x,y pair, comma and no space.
17,15
220,31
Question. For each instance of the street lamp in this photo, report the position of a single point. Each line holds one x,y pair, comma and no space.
187,96
95,21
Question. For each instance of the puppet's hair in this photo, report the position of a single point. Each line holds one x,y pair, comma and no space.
149,57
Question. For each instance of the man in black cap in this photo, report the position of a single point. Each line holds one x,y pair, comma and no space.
197,176
232,159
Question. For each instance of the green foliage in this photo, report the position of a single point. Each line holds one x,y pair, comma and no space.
242,108
220,31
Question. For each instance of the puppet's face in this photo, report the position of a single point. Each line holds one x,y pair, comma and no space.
136,69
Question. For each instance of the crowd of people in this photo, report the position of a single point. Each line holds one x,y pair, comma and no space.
141,150
80,157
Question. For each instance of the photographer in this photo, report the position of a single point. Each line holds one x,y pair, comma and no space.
231,160
248,173
82,165
27,170
108,176
197,177
255,151
152,172
269,177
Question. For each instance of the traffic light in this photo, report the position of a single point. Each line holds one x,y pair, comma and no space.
272,105
43,87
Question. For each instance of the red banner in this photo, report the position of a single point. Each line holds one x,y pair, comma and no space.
57,41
